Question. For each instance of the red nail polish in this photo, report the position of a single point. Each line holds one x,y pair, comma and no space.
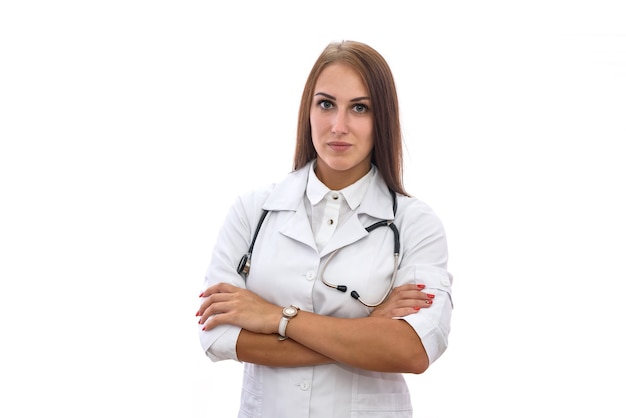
416,308
421,286
201,295
428,302
430,295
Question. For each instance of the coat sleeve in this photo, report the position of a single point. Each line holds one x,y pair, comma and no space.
232,243
424,261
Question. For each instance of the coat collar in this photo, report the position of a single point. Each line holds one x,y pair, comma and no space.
288,194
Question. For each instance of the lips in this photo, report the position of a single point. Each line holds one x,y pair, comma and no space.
339,146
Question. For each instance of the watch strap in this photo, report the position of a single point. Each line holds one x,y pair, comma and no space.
282,327
288,313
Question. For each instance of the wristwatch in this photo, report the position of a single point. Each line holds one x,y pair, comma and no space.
288,313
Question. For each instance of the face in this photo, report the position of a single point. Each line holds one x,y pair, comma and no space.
341,126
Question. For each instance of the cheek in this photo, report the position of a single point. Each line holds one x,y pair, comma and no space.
366,131
317,127
315,134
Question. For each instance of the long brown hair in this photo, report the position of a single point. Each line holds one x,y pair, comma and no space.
377,77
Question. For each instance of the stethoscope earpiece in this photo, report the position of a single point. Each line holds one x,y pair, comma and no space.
244,264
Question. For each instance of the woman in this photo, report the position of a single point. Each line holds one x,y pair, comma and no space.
313,317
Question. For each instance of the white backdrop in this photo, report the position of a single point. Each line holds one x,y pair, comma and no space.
128,127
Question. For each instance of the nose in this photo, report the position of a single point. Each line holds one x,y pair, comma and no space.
340,124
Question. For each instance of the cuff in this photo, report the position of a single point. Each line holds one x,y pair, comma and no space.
225,347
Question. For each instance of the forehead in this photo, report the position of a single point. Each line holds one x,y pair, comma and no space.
340,77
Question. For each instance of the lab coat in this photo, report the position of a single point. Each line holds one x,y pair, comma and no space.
285,270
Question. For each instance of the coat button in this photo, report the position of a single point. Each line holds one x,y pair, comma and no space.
304,386
310,275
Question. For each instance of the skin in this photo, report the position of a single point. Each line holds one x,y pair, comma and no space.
342,134
341,127
317,339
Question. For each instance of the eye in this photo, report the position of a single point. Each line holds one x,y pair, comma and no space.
325,104
360,108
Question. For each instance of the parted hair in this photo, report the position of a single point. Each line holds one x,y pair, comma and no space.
379,81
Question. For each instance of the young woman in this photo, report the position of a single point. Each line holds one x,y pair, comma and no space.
343,284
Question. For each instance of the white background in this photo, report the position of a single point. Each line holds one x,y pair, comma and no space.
128,127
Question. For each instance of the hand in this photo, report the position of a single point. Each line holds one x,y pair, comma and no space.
227,304
402,301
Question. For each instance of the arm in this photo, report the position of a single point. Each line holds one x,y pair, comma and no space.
316,339
396,348
267,350
374,343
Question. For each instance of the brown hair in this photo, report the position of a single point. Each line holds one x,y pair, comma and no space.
377,77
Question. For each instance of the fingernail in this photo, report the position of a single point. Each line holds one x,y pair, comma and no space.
201,295
430,295
428,302
421,286
416,308
198,313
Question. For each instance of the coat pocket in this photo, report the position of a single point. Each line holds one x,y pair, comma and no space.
382,405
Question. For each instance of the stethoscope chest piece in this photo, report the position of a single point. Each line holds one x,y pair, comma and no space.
244,265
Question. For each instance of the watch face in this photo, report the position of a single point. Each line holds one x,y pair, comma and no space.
290,311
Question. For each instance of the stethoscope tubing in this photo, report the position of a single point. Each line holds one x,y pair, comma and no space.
396,256
244,264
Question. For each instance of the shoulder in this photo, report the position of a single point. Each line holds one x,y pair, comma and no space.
285,194
414,212
251,201
413,204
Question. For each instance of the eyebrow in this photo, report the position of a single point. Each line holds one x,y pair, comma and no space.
356,99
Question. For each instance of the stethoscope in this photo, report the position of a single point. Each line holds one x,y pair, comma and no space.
244,265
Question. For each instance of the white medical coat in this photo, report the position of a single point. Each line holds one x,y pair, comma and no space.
284,270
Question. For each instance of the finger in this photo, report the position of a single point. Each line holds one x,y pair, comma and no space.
416,294
213,310
219,288
408,289
408,286
213,321
419,300
415,307
213,304
400,312
410,295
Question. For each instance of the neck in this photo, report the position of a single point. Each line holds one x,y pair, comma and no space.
339,179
